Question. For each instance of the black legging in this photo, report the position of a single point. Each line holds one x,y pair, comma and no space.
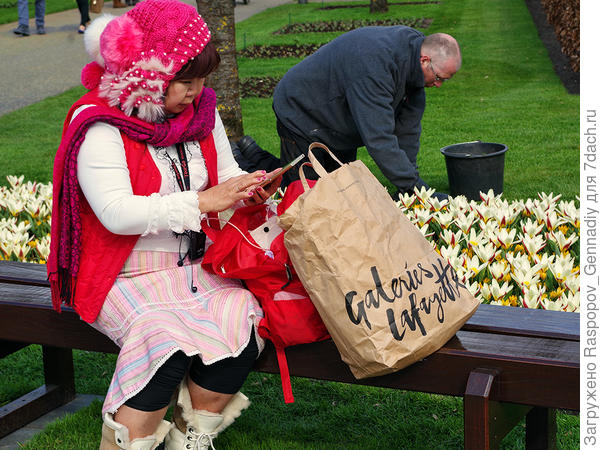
84,11
225,376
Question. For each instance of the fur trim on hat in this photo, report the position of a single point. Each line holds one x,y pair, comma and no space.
142,87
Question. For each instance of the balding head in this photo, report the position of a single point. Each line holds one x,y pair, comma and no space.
440,58
442,47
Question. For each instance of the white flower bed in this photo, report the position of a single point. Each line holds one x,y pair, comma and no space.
25,220
520,253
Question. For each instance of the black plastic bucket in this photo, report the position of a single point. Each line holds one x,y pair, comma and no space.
475,166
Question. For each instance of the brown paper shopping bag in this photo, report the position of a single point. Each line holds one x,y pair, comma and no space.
386,297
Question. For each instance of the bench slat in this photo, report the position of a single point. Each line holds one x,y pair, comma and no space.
487,318
29,407
68,330
522,380
530,369
525,322
65,330
523,357
23,273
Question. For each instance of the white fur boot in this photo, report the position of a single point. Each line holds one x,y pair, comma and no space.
115,436
196,429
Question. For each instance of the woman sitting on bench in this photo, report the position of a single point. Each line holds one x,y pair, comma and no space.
144,159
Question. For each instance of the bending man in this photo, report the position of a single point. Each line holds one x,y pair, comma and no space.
365,87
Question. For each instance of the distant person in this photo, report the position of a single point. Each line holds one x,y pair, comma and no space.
84,13
366,87
40,11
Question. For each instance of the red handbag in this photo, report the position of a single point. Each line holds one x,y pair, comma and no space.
250,247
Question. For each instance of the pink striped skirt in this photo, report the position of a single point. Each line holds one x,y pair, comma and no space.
151,313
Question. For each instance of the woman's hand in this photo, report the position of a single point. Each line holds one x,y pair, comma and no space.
224,195
264,192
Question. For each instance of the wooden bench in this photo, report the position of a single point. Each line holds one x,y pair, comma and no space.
506,363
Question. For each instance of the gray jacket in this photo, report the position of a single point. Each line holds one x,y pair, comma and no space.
365,87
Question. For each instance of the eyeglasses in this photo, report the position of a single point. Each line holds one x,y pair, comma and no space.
437,77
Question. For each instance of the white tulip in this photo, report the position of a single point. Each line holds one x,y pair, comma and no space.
450,238
465,221
473,264
571,300
499,269
563,242
15,181
533,245
554,305
548,201
486,252
532,296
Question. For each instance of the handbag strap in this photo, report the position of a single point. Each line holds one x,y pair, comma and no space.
284,371
315,162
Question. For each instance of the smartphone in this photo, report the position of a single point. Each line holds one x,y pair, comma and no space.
283,170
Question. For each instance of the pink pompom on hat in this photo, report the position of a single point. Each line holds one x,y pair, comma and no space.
137,54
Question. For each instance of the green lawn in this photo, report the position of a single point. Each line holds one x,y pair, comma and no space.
506,92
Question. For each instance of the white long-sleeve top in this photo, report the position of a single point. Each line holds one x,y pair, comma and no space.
104,179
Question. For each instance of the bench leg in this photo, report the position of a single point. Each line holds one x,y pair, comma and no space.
477,410
59,388
487,421
58,370
540,431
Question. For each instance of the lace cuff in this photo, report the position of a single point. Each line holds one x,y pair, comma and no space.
176,212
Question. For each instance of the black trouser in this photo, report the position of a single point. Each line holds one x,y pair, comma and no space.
84,7
225,376
294,145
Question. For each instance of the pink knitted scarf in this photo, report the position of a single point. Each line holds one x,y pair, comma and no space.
193,124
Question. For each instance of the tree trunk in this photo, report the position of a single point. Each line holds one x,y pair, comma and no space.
219,15
378,6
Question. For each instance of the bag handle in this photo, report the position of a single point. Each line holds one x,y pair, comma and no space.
315,162
303,176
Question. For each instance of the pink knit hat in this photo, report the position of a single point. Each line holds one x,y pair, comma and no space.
137,54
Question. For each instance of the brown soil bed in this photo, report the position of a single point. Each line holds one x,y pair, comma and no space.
258,86
563,16
279,51
348,25
368,5
559,32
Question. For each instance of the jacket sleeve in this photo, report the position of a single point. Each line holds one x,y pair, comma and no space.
391,135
